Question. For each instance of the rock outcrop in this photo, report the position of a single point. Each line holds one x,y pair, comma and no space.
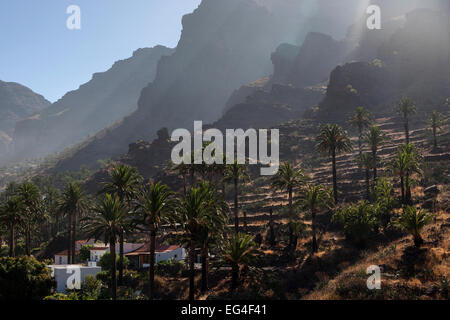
413,62
17,102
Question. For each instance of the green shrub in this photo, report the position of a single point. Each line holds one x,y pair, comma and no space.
358,221
170,268
24,278
105,262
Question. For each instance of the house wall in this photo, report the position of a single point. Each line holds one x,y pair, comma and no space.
60,259
77,273
178,255
97,254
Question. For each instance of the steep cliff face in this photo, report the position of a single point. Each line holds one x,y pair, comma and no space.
16,103
224,45
413,62
313,63
97,104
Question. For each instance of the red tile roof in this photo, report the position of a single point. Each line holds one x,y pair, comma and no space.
99,248
145,249
64,253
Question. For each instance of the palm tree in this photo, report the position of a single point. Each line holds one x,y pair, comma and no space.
365,162
235,173
125,182
239,251
297,228
287,178
402,165
73,202
110,216
31,198
360,120
385,200
406,108
154,205
313,198
413,220
209,237
11,214
332,139
435,123
414,167
199,209
374,139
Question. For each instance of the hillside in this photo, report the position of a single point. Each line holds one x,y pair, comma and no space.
97,104
17,102
223,45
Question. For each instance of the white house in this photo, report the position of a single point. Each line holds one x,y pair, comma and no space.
61,257
96,252
140,258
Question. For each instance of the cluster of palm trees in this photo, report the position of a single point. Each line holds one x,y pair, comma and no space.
22,210
200,215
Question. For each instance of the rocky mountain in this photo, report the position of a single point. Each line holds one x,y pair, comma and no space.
224,45
106,98
413,62
17,102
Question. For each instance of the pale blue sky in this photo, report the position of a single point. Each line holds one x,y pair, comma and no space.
38,51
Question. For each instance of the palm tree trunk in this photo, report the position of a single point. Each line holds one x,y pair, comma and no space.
205,269
28,239
236,211
291,232
360,141
367,184
12,242
335,191
184,184
74,236
223,187
69,236
402,187
112,248
314,240
234,277
121,241
191,270
407,130
408,189
151,294
374,155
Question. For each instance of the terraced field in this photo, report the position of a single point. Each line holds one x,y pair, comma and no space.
297,146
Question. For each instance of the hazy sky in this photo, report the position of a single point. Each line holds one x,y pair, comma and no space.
40,52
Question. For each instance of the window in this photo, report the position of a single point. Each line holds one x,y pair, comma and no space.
60,260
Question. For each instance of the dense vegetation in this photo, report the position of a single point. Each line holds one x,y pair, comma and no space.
37,213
